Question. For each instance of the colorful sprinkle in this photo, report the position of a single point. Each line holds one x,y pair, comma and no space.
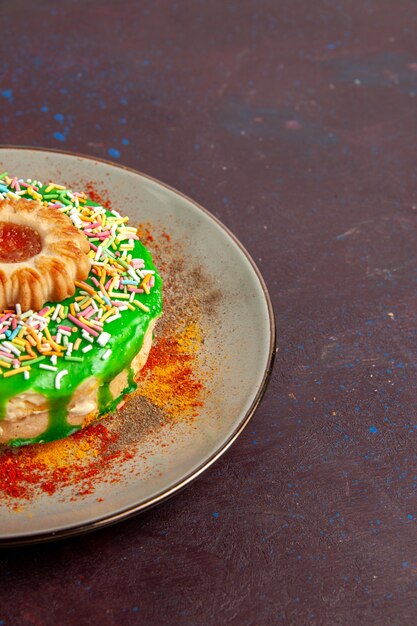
115,279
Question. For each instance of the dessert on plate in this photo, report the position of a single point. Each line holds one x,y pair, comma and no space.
79,299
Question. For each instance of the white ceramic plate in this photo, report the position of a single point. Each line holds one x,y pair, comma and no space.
244,345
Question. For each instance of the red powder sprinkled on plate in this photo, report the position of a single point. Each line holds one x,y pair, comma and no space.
97,195
78,460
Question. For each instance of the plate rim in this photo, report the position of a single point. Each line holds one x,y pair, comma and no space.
164,494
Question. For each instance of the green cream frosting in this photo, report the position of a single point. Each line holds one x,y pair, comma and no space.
127,335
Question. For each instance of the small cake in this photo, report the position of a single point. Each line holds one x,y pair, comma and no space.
79,299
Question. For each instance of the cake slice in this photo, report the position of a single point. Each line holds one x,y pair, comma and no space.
79,299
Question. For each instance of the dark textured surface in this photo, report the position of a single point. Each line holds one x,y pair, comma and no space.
295,123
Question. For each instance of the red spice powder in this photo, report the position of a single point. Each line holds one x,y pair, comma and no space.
169,378
23,470
97,195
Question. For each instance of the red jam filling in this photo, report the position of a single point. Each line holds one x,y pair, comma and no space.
18,243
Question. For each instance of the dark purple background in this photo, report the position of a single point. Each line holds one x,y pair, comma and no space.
295,123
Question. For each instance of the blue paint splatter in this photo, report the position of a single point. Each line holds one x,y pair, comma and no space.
8,94
215,515
113,152
377,70
373,429
239,118
59,136
125,142
44,108
405,564
59,117
409,516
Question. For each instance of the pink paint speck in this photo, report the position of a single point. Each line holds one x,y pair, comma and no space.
293,125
